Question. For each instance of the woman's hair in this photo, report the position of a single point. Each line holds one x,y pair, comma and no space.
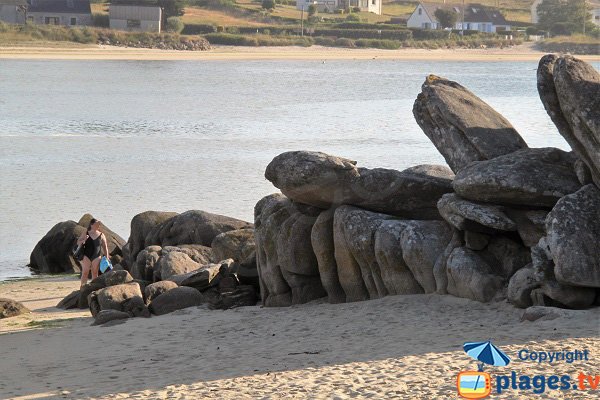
92,222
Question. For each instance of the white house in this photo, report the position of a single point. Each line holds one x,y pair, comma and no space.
59,12
594,10
475,17
374,6
135,18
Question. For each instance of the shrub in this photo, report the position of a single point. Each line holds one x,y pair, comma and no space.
174,24
4,27
198,29
344,42
378,44
100,20
312,10
366,33
353,17
325,41
356,9
268,4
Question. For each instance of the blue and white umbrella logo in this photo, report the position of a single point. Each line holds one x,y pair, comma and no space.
486,353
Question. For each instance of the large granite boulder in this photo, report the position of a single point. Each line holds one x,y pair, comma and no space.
323,246
155,289
11,308
240,296
573,236
470,276
126,298
145,262
531,224
53,253
141,225
111,278
70,301
528,177
287,266
105,316
520,286
570,91
174,263
378,255
323,181
461,126
193,227
176,299
472,216
238,245
203,278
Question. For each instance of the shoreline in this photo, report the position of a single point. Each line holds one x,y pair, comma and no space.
374,348
239,53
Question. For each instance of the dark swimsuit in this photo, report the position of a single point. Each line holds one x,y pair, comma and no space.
92,248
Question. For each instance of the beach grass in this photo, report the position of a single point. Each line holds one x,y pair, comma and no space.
49,323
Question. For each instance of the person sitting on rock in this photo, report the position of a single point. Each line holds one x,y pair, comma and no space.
95,242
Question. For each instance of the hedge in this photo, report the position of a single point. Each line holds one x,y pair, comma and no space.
198,29
365,34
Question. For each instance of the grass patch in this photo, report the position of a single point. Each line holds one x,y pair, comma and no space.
577,44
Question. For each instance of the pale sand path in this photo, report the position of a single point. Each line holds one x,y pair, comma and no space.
94,52
399,347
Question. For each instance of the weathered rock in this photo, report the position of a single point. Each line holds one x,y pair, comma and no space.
141,225
199,253
528,177
105,316
155,289
583,173
520,286
323,247
573,236
11,308
241,296
125,297
70,301
143,267
287,266
461,126
192,227
471,277
476,240
570,91
531,224
562,295
475,217
542,313
506,256
111,278
238,245
174,263
322,180
247,272
440,268
434,170
176,299
203,278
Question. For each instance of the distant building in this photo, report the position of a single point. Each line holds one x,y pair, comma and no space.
374,6
135,18
13,11
476,17
59,12
593,4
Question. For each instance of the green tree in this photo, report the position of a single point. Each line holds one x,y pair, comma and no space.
312,10
447,18
171,8
268,4
564,17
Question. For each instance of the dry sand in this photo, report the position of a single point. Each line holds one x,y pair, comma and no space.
517,53
398,347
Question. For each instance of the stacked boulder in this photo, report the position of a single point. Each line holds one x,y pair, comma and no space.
169,264
505,221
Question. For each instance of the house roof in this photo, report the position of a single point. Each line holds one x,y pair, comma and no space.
473,12
60,6
13,2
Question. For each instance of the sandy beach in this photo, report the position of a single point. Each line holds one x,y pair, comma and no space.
518,53
402,347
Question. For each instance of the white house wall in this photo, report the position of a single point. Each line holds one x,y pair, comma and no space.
39,18
417,20
9,13
596,16
145,26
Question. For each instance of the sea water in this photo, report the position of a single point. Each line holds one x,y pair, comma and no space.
116,138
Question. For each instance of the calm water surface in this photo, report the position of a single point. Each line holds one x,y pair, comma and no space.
115,138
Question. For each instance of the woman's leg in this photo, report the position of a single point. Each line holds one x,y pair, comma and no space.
85,270
95,267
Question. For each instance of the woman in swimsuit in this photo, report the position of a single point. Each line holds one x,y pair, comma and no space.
95,242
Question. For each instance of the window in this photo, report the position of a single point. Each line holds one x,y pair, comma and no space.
420,11
51,21
133,23
73,21
373,2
